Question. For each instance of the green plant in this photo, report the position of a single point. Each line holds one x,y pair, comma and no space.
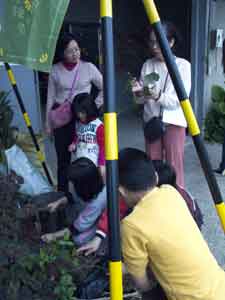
215,118
44,274
148,82
151,79
65,289
7,132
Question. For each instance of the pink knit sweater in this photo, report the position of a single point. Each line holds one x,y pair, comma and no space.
61,80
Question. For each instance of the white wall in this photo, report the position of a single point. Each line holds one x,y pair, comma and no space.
214,68
27,85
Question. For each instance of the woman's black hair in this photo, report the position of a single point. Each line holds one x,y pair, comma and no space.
86,178
136,170
171,33
63,43
84,102
166,173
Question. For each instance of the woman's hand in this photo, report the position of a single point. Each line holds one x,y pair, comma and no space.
137,88
151,93
72,147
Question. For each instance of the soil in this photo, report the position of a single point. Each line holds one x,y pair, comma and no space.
20,231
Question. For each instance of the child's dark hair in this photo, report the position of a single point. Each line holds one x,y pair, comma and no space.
84,103
136,170
171,33
166,173
86,178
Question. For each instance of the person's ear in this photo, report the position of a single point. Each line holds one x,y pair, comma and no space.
172,42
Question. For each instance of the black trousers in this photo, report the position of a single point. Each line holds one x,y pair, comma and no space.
63,138
156,293
222,163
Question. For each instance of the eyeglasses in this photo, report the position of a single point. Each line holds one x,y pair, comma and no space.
72,50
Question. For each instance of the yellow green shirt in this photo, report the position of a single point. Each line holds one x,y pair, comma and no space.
161,233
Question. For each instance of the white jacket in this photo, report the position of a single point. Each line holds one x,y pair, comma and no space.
172,111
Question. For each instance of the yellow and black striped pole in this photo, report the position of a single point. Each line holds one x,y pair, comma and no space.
111,151
194,130
26,117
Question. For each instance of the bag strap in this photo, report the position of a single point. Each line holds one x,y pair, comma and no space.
164,88
74,81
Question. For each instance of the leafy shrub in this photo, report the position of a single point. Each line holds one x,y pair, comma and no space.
215,118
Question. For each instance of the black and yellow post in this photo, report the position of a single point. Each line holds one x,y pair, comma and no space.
111,151
40,155
194,130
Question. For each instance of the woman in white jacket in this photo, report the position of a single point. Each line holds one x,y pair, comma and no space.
163,95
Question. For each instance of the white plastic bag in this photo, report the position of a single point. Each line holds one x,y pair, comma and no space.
34,182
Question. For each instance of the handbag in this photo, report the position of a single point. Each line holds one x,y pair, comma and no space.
155,128
61,114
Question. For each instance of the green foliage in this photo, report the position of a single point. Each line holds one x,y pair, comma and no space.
65,289
151,78
29,269
7,132
47,274
215,118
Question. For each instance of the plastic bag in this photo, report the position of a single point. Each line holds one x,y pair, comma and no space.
34,182
25,142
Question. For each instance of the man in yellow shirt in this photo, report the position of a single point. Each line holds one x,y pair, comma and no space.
161,235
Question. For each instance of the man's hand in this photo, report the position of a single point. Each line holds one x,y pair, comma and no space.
90,247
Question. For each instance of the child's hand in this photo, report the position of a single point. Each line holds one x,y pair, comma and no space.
90,247
72,147
54,205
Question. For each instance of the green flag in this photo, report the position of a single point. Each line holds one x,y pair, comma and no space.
29,30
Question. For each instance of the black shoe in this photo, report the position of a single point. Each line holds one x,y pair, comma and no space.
220,171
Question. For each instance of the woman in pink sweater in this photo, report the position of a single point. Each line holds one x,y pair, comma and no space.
69,77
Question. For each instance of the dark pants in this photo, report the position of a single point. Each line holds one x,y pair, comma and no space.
156,293
222,164
63,138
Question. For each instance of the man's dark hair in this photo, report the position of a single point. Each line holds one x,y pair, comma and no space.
136,170
85,103
166,173
85,178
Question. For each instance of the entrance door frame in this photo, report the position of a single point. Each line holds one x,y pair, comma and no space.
199,46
